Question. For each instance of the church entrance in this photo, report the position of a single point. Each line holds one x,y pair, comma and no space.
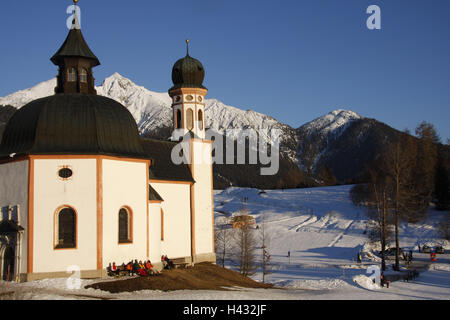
8,264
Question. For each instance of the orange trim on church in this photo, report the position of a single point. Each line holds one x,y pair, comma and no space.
30,225
168,181
99,213
147,175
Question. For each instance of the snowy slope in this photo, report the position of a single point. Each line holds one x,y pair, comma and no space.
333,123
316,137
20,98
322,230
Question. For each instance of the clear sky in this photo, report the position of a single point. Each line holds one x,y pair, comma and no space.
292,59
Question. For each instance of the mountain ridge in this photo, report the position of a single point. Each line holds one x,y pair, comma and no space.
310,147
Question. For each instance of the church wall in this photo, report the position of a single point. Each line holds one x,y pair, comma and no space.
13,192
155,232
124,185
50,194
202,193
177,219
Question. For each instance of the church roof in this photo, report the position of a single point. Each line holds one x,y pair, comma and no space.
188,73
154,196
162,167
72,124
74,46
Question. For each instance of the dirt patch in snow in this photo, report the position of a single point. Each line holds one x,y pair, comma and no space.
203,276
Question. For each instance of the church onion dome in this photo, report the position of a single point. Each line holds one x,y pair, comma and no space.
74,46
188,73
72,124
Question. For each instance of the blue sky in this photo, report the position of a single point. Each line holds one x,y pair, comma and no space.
292,59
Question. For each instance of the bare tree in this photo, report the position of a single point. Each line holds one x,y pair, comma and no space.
265,237
398,163
379,196
222,240
245,245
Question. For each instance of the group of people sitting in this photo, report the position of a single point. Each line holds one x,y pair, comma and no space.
140,268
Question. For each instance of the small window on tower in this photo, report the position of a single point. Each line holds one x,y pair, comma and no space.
200,119
178,124
72,75
83,75
190,119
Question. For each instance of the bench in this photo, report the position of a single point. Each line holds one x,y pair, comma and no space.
120,272
181,262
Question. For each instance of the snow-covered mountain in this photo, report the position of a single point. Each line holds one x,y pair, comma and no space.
343,142
316,137
152,110
338,135
333,123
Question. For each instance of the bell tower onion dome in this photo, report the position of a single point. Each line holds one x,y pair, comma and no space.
188,72
188,97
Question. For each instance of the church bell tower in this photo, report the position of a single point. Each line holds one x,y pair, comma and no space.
188,96
188,103
75,61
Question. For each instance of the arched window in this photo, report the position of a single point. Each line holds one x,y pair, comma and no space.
125,224
66,228
200,119
178,124
72,75
83,75
190,119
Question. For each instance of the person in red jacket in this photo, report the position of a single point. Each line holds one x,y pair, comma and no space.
149,268
114,269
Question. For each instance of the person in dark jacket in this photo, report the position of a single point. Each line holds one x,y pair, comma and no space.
164,263
135,266
169,262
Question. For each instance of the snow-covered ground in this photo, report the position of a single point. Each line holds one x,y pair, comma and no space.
323,232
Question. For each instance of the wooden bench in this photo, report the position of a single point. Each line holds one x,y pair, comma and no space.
120,272
181,262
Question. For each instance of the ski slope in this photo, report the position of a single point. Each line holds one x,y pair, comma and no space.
323,232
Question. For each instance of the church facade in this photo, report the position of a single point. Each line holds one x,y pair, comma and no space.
80,187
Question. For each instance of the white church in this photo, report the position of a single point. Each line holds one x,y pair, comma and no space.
80,187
